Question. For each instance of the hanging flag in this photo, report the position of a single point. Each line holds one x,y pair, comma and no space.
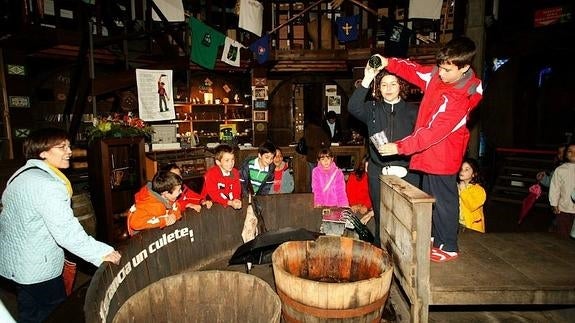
231,52
261,48
347,28
251,16
396,39
425,9
205,44
173,10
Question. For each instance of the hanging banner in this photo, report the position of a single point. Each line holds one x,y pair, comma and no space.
155,95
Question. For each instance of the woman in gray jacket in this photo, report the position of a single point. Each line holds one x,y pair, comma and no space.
37,222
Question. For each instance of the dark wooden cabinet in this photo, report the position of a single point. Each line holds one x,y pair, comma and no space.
117,172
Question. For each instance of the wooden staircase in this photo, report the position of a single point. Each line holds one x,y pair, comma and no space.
516,171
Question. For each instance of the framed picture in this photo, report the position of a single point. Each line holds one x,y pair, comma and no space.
260,93
260,116
260,104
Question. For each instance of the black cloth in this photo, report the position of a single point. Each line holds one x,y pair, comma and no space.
398,121
397,38
337,136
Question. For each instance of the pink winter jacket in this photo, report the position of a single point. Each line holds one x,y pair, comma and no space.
328,187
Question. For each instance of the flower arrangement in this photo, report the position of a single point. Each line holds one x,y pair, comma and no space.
119,125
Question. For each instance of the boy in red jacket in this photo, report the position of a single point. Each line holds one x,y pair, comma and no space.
222,181
188,198
439,141
155,204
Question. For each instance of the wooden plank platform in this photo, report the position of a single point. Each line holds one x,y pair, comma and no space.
506,268
530,268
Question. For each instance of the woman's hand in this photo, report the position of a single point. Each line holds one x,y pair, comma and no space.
369,72
113,257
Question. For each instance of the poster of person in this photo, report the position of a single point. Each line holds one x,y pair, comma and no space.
334,103
155,95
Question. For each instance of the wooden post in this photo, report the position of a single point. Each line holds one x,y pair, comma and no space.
405,233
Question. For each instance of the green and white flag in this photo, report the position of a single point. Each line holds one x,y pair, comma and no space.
231,52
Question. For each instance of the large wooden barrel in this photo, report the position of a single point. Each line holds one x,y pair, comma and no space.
332,279
84,212
203,296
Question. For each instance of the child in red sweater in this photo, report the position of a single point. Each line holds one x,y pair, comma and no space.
222,181
188,198
357,189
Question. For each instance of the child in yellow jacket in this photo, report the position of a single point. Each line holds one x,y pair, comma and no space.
471,196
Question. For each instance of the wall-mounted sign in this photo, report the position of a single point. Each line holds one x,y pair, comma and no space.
16,70
21,132
19,101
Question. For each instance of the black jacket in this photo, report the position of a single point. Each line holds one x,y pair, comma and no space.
337,136
398,121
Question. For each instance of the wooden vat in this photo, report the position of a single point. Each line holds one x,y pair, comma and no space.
84,212
332,279
203,296
188,245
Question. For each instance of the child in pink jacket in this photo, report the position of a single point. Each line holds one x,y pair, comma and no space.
327,182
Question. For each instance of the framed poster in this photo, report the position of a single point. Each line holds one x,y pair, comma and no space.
260,116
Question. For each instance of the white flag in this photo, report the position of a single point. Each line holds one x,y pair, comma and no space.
251,16
173,10
231,52
426,9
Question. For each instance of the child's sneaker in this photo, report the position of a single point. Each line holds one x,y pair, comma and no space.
439,255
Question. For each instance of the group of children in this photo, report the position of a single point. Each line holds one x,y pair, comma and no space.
161,202
436,146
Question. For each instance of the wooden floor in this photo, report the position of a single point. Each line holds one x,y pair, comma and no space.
506,268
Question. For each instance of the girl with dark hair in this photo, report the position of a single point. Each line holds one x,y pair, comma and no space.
357,188
472,196
390,113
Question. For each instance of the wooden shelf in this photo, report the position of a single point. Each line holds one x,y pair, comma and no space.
117,172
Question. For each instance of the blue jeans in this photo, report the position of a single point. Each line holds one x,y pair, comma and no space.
37,301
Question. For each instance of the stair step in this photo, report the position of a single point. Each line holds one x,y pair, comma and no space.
540,203
523,160
524,179
522,169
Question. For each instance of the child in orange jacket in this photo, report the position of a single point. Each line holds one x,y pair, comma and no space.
155,203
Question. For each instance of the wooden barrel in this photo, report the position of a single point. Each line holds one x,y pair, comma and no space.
203,296
332,279
84,212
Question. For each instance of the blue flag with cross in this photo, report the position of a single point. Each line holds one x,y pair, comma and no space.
347,28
